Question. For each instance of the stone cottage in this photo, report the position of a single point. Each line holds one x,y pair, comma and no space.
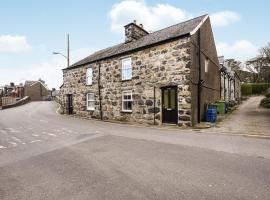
230,90
167,76
36,90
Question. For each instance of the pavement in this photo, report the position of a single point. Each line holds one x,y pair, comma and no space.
44,155
248,119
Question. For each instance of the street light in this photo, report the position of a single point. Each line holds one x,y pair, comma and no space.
67,57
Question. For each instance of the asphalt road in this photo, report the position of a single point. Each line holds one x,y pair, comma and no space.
44,155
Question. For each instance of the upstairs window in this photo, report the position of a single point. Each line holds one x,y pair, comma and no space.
90,101
206,64
89,76
126,69
127,101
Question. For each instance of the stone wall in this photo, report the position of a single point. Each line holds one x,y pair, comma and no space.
163,65
36,92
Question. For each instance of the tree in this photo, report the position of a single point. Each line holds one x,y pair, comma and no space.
260,65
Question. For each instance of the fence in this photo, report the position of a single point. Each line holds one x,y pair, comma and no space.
7,101
17,103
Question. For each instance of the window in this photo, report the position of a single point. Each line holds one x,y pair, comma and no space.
89,76
206,64
127,101
126,69
90,101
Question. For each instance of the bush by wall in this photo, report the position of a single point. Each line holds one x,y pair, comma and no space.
254,88
246,89
259,88
265,103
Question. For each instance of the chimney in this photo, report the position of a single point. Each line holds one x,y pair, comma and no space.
134,32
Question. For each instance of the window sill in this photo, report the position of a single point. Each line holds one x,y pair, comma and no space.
126,111
88,109
124,80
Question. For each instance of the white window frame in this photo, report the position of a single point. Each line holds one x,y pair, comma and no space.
127,100
89,77
126,67
90,100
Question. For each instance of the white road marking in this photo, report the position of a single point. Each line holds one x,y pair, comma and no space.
16,139
12,130
2,147
51,134
14,144
34,141
35,135
44,121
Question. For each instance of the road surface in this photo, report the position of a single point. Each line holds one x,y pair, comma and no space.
44,155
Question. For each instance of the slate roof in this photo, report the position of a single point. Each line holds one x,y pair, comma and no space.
162,35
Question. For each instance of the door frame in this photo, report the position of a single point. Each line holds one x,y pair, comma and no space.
175,117
70,104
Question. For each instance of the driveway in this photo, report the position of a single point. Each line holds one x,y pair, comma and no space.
249,118
44,155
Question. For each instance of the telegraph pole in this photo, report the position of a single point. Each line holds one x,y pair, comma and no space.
67,50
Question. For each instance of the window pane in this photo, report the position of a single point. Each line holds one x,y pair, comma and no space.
129,105
127,101
126,73
172,99
166,99
126,69
90,96
89,76
127,62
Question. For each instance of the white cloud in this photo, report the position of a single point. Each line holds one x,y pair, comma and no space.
159,16
153,18
13,44
224,18
50,71
241,50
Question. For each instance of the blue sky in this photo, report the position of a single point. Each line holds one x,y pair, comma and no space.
31,30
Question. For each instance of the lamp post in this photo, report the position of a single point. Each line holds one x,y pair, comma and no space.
65,56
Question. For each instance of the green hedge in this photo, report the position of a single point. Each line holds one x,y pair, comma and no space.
260,88
246,89
254,88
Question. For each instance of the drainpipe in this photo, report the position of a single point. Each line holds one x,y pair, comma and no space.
154,105
199,78
224,90
234,88
99,93
220,88
229,90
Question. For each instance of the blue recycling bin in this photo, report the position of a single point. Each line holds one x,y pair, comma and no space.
211,114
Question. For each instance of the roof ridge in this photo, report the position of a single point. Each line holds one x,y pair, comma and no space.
179,23
170,32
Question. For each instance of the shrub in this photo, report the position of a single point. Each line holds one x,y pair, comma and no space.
259,88
246,89
254,88
268,95
265,103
